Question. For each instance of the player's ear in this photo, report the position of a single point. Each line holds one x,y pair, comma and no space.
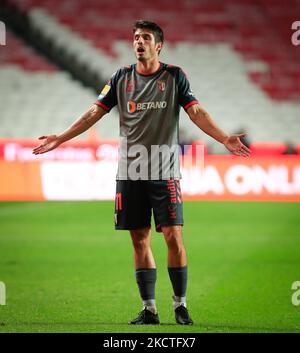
159,47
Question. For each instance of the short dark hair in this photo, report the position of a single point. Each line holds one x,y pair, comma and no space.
151,26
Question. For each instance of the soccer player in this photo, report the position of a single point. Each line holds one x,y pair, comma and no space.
149,95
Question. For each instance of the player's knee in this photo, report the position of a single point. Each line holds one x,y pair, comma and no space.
174,240
175,247
140,245
140,240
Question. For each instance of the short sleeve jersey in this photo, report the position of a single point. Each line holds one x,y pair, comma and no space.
149,120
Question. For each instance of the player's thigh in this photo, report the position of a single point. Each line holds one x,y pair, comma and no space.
132,206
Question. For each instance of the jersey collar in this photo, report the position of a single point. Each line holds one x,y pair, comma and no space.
155,72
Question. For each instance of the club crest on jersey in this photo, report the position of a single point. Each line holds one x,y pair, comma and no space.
161,85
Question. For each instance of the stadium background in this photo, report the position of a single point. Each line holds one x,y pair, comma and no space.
244,69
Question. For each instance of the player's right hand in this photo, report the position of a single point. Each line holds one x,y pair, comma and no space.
50,142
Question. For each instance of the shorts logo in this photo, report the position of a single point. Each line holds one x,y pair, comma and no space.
172,211
133,107
118,201
173,187
172,191
161,85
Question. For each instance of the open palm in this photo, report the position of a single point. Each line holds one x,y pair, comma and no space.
235,146
50,142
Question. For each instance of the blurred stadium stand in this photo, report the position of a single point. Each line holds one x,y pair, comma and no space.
237,54
268,148
35,95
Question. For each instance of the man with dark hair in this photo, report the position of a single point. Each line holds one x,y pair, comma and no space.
150,26
149,95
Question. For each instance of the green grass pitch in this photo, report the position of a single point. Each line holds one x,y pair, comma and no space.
67,270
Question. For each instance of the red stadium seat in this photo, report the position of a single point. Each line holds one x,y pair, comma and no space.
18,53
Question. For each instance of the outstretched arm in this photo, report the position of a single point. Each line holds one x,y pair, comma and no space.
203,120
84,122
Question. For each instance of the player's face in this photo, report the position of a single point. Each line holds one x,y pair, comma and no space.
144,45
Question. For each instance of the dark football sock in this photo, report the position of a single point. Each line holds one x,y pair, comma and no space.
146,278
178,277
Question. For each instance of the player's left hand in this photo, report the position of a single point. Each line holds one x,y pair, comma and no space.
49,143
235,146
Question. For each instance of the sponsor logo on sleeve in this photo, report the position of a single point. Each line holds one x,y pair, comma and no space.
105,90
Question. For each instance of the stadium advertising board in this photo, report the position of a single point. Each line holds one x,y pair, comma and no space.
85,171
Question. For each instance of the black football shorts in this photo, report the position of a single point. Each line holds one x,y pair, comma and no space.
135,200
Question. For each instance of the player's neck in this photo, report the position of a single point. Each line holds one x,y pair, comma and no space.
148,67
